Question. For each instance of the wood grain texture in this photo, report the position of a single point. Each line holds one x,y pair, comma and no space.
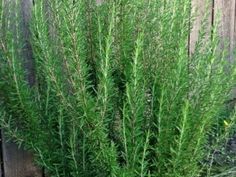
199,8
17,162
225,11
26,6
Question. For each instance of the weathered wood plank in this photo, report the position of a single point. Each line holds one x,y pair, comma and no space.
199,8
226,10
17,162
26,6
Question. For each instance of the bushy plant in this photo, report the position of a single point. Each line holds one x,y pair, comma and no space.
117,92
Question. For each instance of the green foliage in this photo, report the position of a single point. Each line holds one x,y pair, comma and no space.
117,92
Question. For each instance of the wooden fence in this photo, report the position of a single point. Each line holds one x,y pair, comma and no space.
19,163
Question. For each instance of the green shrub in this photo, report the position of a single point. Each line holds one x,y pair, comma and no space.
117,92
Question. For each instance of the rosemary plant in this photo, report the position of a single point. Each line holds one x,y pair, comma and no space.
117,92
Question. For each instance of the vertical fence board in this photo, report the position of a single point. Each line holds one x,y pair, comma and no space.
17,162
199,8
26,6
226,10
